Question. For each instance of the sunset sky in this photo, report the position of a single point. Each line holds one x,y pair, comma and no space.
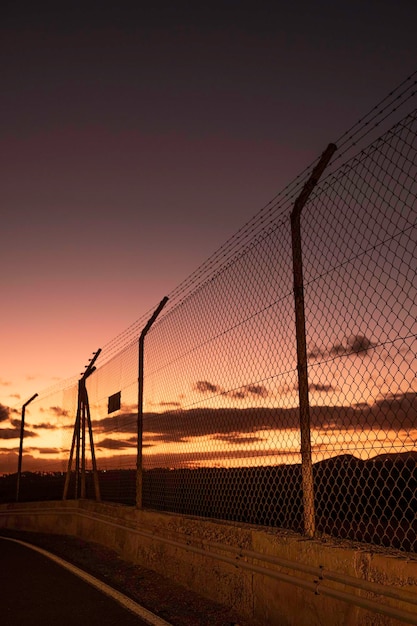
137,138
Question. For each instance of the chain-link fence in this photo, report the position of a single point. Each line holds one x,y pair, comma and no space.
115,428
219,418
222,431
361,301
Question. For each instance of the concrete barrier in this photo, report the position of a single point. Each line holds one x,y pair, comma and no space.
274,576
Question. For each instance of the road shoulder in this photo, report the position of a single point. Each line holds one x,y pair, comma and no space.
162,597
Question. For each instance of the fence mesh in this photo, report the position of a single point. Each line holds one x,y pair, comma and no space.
359,243
115,432
220,368
221,378
221,432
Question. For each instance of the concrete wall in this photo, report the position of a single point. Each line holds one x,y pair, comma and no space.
273,576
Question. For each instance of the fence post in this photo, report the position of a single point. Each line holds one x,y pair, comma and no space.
306,461
139,470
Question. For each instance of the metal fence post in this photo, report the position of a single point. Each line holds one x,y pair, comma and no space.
139,469
306,460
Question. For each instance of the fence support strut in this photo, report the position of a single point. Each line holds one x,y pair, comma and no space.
306,461
82,419
139,470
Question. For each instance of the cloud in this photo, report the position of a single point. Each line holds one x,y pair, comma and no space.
29,433
9,433
116,444
359,343
15,395
251,390
5,383
321,387
237,395
356,344
59,412
258,390
238,438
336,350
14,433
4,413
125,422
287,389
315,353
46,426
169,404
234,427
204,386
153,438
198,422
8,463
390,413
178,460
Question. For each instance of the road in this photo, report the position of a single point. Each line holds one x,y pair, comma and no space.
37,587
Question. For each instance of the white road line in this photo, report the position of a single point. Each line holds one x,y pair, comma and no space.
131,605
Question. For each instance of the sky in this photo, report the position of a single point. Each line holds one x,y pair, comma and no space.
137,139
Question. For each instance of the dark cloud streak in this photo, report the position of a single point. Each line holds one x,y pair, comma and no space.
115,444
4,413
321,387
204,386
356,344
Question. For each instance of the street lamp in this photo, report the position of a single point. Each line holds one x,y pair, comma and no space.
22,430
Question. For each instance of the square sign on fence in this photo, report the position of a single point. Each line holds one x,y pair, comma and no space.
114,402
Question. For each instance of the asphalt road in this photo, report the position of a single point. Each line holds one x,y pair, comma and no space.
39,589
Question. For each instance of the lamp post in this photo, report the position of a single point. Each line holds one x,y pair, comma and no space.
22,432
